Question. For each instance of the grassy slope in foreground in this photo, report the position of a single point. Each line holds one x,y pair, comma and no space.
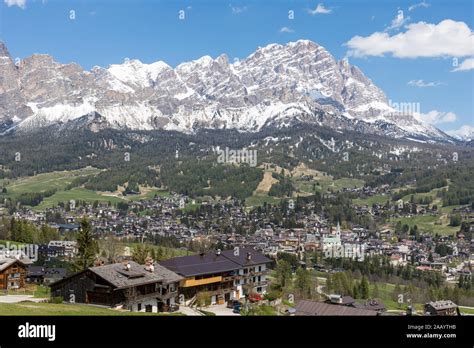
31,308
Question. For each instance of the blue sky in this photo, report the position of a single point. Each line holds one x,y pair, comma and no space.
390,47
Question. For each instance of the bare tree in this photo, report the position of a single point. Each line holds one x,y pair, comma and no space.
110,248
131,296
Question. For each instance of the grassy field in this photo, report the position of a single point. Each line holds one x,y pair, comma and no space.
46,181
428,223
326,183
4,242
303,187
75,194
385,294
380,199
259,200
48,309
60,180
149,195
192,207
36,291
465,310
431,193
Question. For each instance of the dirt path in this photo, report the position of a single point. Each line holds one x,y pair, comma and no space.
265,185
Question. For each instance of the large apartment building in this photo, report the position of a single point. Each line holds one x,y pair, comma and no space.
224,275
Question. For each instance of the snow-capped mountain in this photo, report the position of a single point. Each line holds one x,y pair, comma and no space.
276,85
465,133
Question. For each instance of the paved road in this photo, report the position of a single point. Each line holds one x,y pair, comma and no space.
189,311
220,310
19,298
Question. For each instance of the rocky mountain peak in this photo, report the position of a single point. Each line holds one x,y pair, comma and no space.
277,84
4,50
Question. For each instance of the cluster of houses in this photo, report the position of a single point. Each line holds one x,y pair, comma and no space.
17,272
159,216
346,306
219,277
222,275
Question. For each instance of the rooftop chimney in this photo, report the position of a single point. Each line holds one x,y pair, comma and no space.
249,256
149,264
128,266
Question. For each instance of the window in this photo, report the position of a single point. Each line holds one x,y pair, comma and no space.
259,289
139,307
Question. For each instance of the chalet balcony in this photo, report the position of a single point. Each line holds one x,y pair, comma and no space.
252,273
156,294
203,281
261,283
165,294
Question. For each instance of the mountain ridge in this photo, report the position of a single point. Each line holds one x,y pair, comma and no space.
276,85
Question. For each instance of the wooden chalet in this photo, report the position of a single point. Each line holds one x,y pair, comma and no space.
140,288
12,274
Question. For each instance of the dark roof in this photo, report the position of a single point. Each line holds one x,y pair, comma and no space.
67,226
193,265
310,308
347,300
41,270
372,305
256,258
210,263
36,270
116,275
56,272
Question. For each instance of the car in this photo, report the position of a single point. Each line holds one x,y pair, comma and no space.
237,308
232,303
174,308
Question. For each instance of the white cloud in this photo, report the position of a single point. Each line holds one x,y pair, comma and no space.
465,132
286,30
421,4
19,3
467,64
320,9
422,84
237,9
447,38
436,117
398,21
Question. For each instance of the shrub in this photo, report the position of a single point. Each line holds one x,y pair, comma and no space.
56,299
